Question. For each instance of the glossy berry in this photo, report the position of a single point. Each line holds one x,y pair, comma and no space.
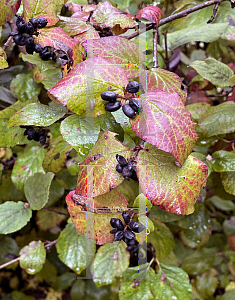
126,217
119,225
19,40
113,222
26,131
112,106
132,249
113,231
126,173
119,168
29,41
53,56
29,28
109,96
134,104
21,27
129,242
134,176
128,234
42,139
29,49
64,56
42,22
121,159
128,111
118,236
136,227
132,87
37,48
34,22
31,133
13,33
36,137
46,55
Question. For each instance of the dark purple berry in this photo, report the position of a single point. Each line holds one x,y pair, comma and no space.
119,168
119,225
122,161
29,49
13,33
19,40
46,55
53,56
128,234
134,104
132,249
26,132
126,173
64,56
34,22
29,41
134,176
37,48
130,242
128,111
132,87
118,236
113,231
42,139
36,137
42,22
109,96
126,217
21,27
31,133
137,227
112,106
113,222
29,28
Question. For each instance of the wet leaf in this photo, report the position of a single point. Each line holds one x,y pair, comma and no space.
229,226
223,161
38,196
8,247
8,191
197,110
8,10
80,132
11,136
161,238
166,124
228,181
214,71
142,201
72,250
32,257
35,114
72,89
64,281
48,219
174,189
120,52
162,215
225,205
220,119
13,216
27,164
101,165
151,13
111,261
56,157
207,282
3,57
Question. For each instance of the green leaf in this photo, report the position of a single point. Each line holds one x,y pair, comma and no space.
13,216
175,189
171,283
49,219
206,283
197,110
3,61
48,273
147,223
110,261
32,257
56,192
228,181
39,194
225,205
198,261
229,226
142,201
35,114
220,119
80,132
202,158
231,80
107,122
8,246
8,10
71,248
8,191
64,281
11,136
17,295
78,290
23,87
214,71
163,216
223,161
46,72
27,164
56,157
161,238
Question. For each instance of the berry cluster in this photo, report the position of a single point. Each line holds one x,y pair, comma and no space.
23,36
126,233
129,109
32,134
126,168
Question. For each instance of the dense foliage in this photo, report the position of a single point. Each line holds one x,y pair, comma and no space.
117,154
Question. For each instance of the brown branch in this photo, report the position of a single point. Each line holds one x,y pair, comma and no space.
214,13
155,58
179,15
166,51
55,211
9,263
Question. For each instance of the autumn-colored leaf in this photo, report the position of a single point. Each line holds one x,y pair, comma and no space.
74,25
174,189
3,59
151,13
101,230
71,91
102,162
8,10
120,52
166,124
75,7
57,38
110,16
42,8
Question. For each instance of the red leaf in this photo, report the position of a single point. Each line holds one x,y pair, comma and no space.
8,10
151,13
166,124
174,189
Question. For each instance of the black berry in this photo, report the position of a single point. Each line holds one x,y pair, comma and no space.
29,41
42,139
126,217
21,27
37,48
128,234
46,55
112,106
134,104
30,49
128,111
109,96
132,87
53,56
113,231
136,227
126,173
129,242
13,33
34,22
134,176
31,133
119,225
19,40
122,161
118,236
119,168
29,28
42,22
113,222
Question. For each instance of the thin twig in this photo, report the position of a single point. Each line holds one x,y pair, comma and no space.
9,263
171,18
9,40
214,13
155,58
55,211
166,50
218,95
